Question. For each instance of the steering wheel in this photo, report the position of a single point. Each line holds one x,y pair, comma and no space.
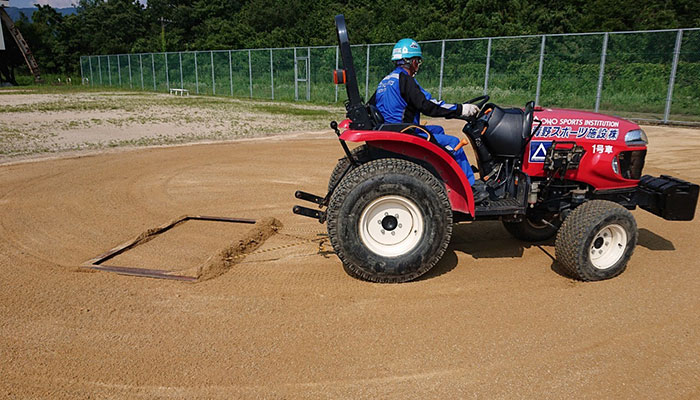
479,102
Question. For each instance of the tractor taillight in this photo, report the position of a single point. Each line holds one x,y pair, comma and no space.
339,76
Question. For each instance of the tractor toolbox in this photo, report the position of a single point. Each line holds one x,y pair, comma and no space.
668,197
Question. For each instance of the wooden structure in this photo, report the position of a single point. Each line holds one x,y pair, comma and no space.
21,44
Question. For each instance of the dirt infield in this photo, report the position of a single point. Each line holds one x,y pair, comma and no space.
493,320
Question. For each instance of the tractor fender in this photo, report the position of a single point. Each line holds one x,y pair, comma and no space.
459,190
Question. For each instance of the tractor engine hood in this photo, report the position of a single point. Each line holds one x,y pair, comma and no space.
584,126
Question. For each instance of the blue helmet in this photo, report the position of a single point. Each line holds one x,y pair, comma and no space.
405,48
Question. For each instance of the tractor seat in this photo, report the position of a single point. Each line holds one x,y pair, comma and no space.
405,128
379,125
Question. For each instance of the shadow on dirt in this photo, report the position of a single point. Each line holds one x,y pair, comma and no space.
652,241
487,239
491,240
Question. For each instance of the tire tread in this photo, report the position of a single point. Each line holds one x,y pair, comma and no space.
574,232
381,167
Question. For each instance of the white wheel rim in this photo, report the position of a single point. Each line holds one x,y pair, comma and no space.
608,246
391,226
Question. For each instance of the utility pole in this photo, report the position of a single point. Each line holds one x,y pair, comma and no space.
162,33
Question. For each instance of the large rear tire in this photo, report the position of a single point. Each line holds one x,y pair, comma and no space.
361,155
596,240
389,220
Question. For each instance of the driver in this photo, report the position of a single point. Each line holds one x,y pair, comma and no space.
400,99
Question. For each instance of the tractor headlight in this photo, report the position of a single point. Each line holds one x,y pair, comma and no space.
636,137
616,165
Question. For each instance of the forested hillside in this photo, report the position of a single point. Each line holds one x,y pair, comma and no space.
125,26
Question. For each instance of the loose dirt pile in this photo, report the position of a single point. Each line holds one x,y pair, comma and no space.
220,263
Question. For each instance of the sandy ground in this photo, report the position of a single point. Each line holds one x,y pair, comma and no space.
493,320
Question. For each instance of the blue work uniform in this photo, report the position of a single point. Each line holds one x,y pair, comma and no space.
401,99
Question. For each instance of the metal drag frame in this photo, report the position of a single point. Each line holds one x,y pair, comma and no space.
96,263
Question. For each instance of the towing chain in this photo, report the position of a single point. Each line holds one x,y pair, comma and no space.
321,241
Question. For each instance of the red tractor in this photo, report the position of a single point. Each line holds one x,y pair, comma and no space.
393,200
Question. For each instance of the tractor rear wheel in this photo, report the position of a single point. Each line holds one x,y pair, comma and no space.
361,155
596,240
389,220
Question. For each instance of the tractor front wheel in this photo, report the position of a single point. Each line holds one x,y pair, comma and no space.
389,220
596,240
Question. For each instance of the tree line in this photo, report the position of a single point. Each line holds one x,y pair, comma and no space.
127,26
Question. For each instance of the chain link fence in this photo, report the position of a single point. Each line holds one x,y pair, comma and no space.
644,75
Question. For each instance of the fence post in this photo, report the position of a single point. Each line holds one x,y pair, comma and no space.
213,80
442,68
250,74
130,80
539,72
90,61
141,65
99,68
119,71
296,82
488,66
82,77
272,77
367,76
336,67
109,71
230,72
672,79
308,74
179,57
196,73
167,72
153,69
603,53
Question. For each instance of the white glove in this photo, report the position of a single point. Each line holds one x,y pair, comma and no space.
469,110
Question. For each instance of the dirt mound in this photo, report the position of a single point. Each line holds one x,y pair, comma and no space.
223,261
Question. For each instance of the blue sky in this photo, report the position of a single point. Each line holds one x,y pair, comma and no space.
53,3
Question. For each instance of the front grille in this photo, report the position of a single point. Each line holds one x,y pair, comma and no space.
632,163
